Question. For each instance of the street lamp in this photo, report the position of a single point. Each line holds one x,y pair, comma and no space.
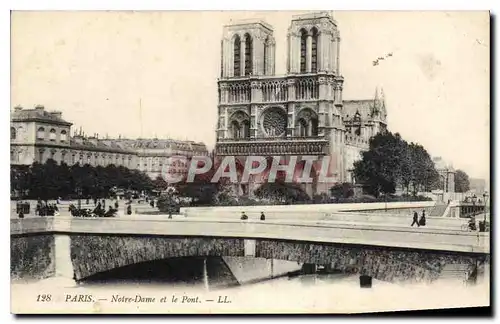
79,192
485,197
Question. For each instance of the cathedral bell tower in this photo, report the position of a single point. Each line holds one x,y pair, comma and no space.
248,48
313,44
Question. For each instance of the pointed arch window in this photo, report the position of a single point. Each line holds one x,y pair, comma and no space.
314,51
266,53
13,133
237,53
303,50
248,54
236,129
302,127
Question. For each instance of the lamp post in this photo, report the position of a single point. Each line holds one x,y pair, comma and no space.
79,192
474,199
485,197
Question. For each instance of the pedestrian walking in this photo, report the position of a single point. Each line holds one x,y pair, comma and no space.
262,216
244,216
415,219
422,220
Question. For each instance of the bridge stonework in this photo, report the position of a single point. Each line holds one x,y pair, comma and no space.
32,256
380,263
91,254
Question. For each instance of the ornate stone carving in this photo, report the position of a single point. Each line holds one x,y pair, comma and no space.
274,121
322,80
239,116
255,85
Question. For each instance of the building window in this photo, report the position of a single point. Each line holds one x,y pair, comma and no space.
52,135
248,55
237,53
314,51
12,155
40,156
13,133
64,136
266,53
40,133
303,50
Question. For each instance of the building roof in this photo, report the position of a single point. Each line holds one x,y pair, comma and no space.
38,114
84,143
368,109
167,144
134,145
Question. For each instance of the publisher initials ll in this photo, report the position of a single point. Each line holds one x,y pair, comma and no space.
223,300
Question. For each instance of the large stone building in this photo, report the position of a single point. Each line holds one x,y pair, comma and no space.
300,113
37,135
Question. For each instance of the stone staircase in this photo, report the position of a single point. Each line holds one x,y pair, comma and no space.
438,209
455,271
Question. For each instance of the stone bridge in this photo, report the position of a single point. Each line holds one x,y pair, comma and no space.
79,248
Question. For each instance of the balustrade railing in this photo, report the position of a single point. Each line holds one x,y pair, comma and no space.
269,89
299,147
356,140
272,139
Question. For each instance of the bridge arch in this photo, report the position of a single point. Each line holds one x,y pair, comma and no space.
92,254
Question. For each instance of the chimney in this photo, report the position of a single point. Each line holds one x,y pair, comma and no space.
56,114
92,139
39,107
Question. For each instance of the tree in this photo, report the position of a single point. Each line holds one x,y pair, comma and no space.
281,191
389,161
462,183
159,183
380,167
52,180
342,190
423,172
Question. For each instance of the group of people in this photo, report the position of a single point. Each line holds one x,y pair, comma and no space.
419,222
245,217
43,208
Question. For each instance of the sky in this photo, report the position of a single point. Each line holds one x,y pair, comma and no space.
154,74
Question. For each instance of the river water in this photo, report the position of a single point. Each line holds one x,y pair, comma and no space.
306,293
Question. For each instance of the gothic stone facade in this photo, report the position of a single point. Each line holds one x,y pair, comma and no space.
37,135
301,113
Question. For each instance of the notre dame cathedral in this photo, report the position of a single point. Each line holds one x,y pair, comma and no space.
301,113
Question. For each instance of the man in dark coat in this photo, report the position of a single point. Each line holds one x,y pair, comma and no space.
262,216
415,219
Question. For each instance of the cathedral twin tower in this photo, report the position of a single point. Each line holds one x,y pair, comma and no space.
248,48
297,114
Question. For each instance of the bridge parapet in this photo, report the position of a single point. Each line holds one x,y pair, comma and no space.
322,231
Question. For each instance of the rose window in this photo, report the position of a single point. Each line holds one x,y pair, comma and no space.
274,122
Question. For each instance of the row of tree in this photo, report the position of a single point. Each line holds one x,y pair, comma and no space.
391,161
52,180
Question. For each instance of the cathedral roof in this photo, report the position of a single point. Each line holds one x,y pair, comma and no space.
38,114
364,107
